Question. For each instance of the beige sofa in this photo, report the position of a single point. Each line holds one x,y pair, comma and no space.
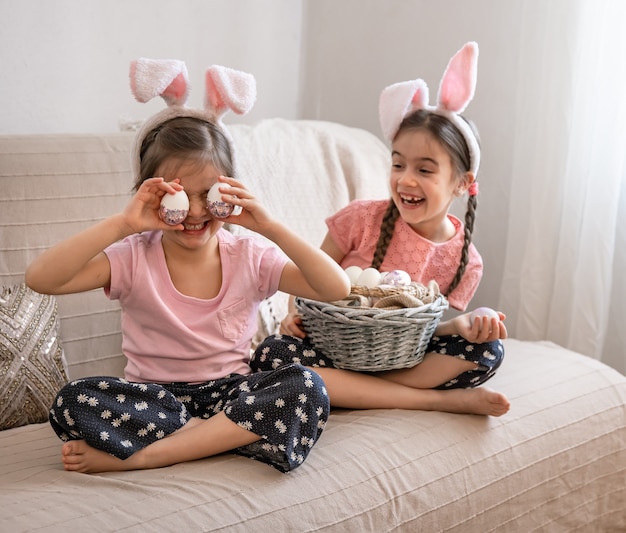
556,462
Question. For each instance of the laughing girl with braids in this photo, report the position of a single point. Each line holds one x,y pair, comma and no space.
435,157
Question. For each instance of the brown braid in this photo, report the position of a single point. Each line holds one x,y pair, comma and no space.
470,217
386,232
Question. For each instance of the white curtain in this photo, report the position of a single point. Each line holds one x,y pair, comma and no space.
565,261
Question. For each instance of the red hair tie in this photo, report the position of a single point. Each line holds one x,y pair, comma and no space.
473,189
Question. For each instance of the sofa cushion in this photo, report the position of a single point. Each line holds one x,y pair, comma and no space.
32,362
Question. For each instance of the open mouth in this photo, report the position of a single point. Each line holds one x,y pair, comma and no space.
411,200
195,227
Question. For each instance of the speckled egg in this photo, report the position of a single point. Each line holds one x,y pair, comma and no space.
396,278
217,207
174,208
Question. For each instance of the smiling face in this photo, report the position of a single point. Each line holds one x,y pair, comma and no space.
196,178
424,183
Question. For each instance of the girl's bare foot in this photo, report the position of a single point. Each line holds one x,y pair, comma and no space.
478,401
78,456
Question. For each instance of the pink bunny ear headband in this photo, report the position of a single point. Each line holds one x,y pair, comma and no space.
226,89
456,90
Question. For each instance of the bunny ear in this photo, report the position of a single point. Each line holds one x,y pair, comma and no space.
167,78
397,101
229,89
456,89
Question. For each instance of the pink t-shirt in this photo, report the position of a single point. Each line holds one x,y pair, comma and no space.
355,230
170,337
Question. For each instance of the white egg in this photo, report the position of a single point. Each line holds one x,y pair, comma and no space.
174,208
217,207
353,273
396,278
370,278
483,311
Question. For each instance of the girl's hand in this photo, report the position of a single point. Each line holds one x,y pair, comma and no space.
292,325
253,215
142,212
482,329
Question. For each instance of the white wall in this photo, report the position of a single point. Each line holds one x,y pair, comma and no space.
65,62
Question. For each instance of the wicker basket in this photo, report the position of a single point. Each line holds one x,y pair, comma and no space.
373,339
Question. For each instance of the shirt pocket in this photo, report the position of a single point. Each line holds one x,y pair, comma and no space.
233,320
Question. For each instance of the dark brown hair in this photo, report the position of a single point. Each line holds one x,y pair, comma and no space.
454,144
185,139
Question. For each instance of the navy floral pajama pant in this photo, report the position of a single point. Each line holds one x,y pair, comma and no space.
288,407
277,350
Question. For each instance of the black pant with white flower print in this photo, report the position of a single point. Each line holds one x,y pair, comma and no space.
288,407
277,350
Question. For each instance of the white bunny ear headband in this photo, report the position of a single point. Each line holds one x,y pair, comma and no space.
456,91
226,89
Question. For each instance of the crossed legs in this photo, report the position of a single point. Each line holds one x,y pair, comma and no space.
197,439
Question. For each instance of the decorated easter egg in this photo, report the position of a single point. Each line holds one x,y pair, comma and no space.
218,207
353,273
483,311
370,278
174,208
396,278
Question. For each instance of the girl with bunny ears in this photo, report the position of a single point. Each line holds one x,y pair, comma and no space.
189,294
435,158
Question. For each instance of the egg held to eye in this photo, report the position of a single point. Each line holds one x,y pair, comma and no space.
218,207
174,208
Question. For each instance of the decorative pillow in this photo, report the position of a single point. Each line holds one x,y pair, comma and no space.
32,362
